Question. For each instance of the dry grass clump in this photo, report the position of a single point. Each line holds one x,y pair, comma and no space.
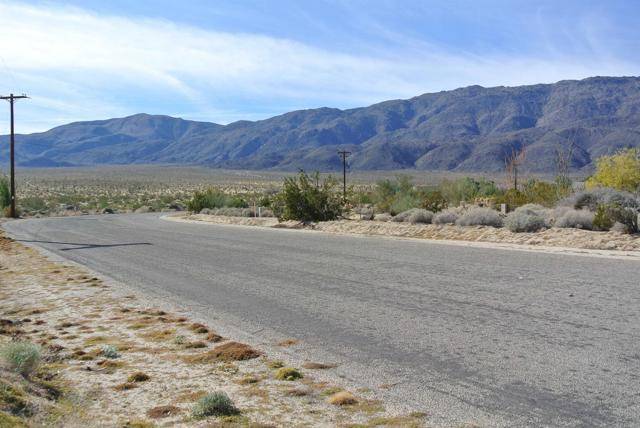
317,366
126,386
214,337
414,216
230,351
199,328
288,342
275,364
163,412
288,373
138,377
342,398
158,335
195,345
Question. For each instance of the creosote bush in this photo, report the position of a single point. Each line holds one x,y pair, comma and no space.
608,215
305,198
214,198
21,357
214,404
480,217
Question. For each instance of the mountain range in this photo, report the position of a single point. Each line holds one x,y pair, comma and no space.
467,129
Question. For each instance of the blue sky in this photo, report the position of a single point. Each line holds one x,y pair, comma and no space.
223,61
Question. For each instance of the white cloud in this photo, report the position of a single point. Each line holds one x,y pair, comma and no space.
80,65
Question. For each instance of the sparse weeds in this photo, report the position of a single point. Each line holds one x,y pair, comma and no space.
21,357
109,351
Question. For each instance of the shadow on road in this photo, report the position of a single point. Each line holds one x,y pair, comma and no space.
84,246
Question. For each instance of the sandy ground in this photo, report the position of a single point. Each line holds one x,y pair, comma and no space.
73,315
606,244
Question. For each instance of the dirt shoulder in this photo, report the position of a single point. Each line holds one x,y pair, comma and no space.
577,241
110,359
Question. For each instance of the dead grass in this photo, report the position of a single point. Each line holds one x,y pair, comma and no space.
163,412
342,398
138,377
230,351
318,366
288,342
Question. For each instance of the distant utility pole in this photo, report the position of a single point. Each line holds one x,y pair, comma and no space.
12,98
344,154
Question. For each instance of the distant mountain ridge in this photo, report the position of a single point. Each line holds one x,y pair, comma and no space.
467,129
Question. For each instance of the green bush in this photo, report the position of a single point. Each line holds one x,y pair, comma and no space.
21,357
214,404
5,193
434,201
214,198
512,198
609,214
467,189
305,198
541,192
396,196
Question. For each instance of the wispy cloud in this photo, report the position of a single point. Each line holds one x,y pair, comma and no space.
80,65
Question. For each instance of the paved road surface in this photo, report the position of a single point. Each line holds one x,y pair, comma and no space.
468,334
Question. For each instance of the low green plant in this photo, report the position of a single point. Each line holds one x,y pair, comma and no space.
214,404
109,351
21,357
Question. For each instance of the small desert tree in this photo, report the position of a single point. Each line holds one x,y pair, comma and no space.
619,171
306,198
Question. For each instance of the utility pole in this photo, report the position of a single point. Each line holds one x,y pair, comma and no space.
12,98
344,154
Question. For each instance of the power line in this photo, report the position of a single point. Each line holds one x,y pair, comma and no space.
12,99
344,154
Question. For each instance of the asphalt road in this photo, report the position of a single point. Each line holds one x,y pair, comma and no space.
497,337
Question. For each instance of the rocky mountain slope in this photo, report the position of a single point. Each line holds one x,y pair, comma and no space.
467,129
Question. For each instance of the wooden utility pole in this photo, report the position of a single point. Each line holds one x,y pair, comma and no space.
12,98
344,154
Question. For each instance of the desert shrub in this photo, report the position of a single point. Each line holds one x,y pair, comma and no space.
288,373
541,192
5,193
445,217
480,217
620,171
608,215
214,198
214,404
601,196
421,216
524,219
365,212
109,351
32,204
383,217
512,198
414,215
578,219
21,357
434,201
467,189
304,198
396,196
